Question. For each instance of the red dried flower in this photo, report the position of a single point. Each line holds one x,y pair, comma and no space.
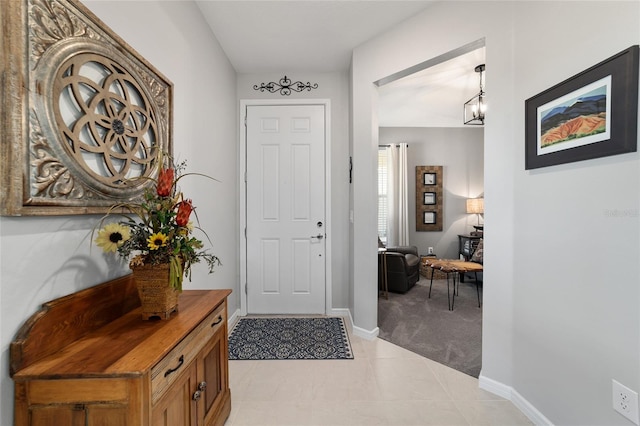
165,182
184,211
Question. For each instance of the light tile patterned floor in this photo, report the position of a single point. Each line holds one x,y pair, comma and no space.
383,385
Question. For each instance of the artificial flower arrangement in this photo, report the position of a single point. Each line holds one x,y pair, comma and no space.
158,230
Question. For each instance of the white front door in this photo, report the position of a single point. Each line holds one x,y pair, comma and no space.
285,209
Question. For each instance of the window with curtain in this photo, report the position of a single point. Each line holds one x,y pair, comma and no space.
383,201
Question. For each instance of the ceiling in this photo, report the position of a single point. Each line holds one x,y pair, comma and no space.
286,36
432,97
305,35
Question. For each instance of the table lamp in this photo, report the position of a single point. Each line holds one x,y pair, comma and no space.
476,206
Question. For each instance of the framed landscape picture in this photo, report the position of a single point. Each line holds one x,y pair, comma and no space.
592,114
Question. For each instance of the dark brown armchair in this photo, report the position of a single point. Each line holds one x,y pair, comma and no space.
403,268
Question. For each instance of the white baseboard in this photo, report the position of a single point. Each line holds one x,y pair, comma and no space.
360,332
339,312
495,387
232,320
507,392
529,410
366,334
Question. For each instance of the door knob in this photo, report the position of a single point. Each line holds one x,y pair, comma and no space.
319,236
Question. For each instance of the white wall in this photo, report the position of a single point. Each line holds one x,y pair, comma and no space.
335,87
48,257
460,151
577,316
561,297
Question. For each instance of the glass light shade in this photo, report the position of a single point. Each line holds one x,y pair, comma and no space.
474,110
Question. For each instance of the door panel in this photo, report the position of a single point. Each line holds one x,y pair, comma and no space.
176,407
285,209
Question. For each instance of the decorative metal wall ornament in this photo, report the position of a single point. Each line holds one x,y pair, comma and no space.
285,86
83,114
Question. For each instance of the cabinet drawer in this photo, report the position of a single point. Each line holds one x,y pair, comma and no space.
165,372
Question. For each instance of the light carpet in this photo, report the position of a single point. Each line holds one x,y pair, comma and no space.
289,338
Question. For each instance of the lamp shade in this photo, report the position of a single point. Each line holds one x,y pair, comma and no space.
475,205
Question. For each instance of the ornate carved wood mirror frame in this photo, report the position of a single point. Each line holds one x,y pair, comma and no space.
84,117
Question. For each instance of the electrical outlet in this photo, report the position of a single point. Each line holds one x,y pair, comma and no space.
625,401
430,250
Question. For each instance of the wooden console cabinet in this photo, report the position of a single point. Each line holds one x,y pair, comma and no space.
90,359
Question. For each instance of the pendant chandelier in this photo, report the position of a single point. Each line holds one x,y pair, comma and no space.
475,108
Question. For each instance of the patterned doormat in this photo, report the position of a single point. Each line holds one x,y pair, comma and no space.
289,338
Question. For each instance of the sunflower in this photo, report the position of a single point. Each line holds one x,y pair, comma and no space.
112,236
157,240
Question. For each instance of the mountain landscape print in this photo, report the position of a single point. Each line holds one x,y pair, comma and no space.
590,115
576,116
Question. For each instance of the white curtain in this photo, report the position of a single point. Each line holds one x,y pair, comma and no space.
398,213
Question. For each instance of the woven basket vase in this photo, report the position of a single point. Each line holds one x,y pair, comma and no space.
157,296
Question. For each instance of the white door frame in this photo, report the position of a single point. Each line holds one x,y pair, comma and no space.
244,103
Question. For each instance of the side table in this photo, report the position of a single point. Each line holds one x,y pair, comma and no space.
456,268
